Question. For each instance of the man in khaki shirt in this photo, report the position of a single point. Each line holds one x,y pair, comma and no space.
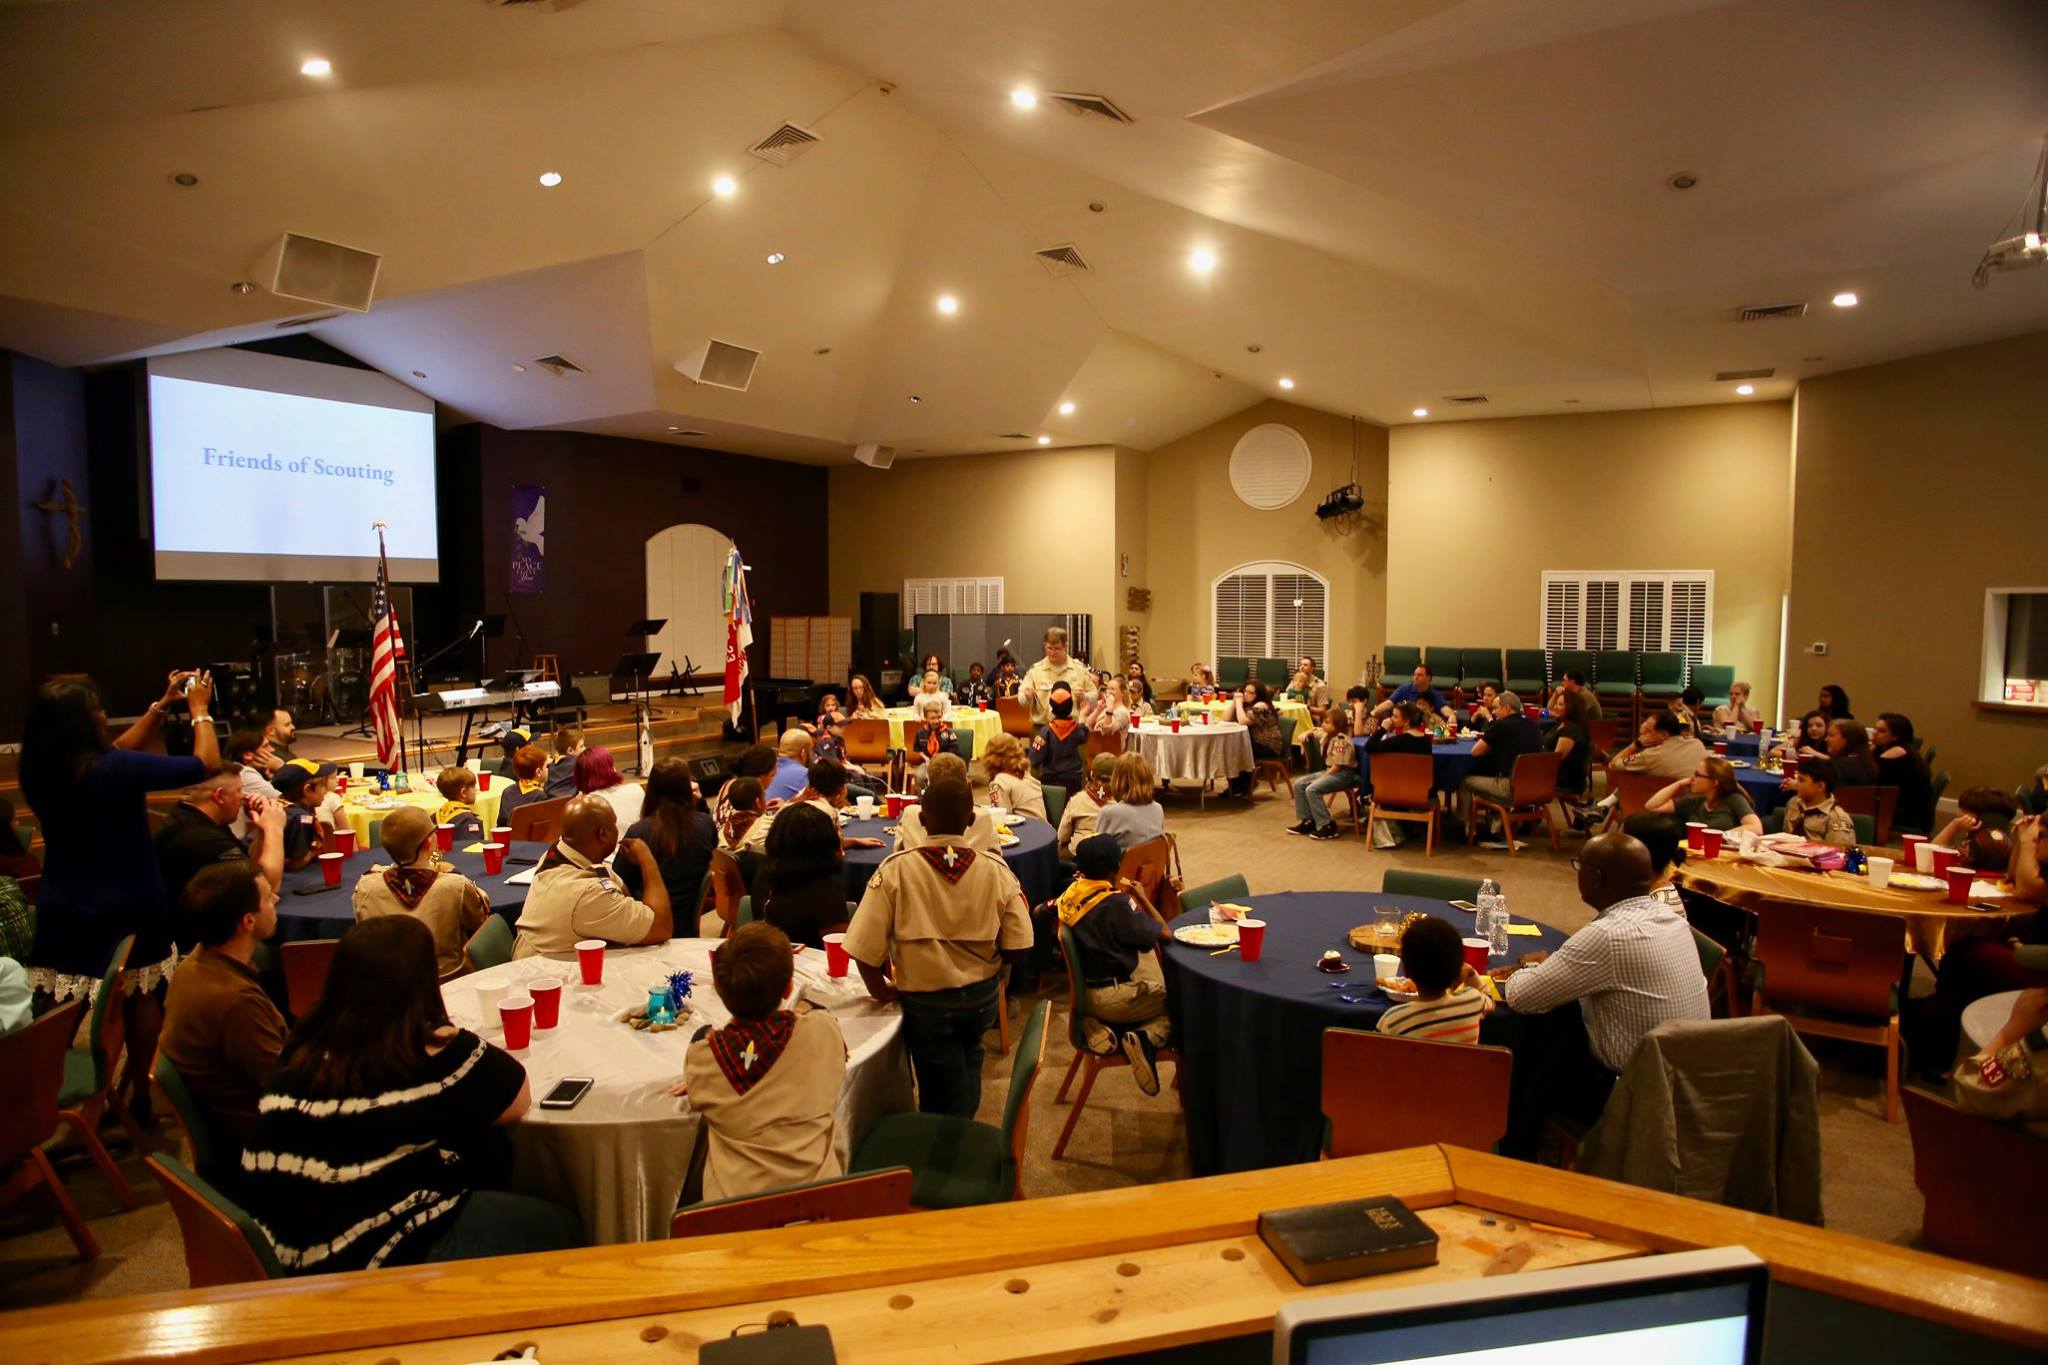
574,896
935,932
1056,666
417,883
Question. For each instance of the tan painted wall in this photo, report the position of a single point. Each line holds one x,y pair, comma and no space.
1196,529
1918,487
1044,521
1480,509
1131,540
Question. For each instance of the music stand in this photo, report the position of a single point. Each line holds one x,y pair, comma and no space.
638,667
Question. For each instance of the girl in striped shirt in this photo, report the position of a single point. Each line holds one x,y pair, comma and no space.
1450,1003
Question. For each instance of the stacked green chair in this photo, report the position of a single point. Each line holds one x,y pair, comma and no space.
1399,665
1614,672
1444,662
1527,674
1661,674
1477,667
1435,885
1225,889
1274,673
1564,660
1715,680
1231,672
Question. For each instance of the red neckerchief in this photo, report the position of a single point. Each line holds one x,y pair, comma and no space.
950,861
1062,728
411,884
737,823
746,1048
932,736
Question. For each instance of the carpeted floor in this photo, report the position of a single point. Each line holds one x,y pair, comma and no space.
1122,1138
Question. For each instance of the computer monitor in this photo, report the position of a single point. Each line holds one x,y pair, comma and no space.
1699,1307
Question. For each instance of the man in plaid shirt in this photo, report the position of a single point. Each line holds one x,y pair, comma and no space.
1590,1003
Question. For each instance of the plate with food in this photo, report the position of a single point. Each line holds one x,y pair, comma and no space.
1206,935
1916,881
1397,988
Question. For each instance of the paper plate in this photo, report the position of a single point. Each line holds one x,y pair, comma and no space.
1916,881
1206,935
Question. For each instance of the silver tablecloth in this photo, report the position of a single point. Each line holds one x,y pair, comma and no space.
1199,753
621,1156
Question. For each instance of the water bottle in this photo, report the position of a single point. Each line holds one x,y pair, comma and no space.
1497,927
1489,911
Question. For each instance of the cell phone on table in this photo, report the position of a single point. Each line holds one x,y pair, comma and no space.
568,1092
1463,905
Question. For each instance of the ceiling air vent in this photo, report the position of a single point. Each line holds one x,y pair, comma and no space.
1063,260
306,321
1727,376
784,145
1771,312
1090,106
1464,400
558,365
1013,436
719,364
686,432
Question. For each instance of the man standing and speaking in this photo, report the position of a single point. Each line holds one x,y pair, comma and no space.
1057,666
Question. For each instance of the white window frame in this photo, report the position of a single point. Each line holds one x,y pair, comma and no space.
967,596
1991,687
1628,587
1271,569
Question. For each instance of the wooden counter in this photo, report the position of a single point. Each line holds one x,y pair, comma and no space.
1067,1279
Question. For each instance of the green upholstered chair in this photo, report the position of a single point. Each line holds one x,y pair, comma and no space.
1399,664
1444,662
1563,660
1477,667
491,945
1614,672
1274,673
1527,675
1232,671
1866,827
1436,885
1207,894
223,1245
206,1145
746,914
1055,804
1661,673
89,1088
957,1162
1714,680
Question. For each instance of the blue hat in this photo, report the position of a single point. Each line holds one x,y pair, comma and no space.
1098,856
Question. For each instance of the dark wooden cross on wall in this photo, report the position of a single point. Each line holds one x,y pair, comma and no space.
72,510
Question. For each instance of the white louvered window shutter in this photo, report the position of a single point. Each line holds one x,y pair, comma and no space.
1271,610
1300,611
1688,628
957,596
1560,612
1646,614
1240,615
1603,615
1643,611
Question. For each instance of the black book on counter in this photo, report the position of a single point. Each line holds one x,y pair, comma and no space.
1353,1237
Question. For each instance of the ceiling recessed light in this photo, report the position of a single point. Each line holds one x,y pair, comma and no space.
917,398
725,186
550,178
1844,300
822,350
776,258
1419,412
1045,440
1201,260
1066,409
184,180
1684,180
1745,389
1286,383
948,305
675,428
1253,347
419,374
520,368
1024,99
243,287
316,66
1096,206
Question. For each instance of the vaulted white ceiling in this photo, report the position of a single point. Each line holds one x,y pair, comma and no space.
1407,199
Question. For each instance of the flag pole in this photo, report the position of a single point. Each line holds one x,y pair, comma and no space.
391,606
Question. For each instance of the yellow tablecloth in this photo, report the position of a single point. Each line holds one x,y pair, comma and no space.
365,821
984,725
1298,710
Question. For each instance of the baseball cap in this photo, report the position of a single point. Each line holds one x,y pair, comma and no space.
1098,856
298,772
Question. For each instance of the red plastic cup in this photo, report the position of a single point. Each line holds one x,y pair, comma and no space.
341,784
1959,879
444,837
515,1012
502,834
1791,764
330,868
1943,858
1908,859
1721,747
547,1000
1693,830
981,706
1710,842
1756,727
1476,951
1176,726
483,782
1530,711
1251,939
893,804
590,959
836,959
344,839
494,859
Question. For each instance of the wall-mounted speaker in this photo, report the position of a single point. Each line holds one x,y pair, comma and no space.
720,364
875,456
325,273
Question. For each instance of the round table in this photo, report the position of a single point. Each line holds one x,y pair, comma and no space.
620,1157
1931,923
1034,858
1199,753
1764,788
367,822
1451,760
1216,710
1250,1034
308,908
983,725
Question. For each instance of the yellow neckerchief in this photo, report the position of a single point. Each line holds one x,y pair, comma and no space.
1081,896
451,810
527,788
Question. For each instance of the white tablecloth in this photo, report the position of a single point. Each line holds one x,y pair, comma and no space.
1199,753
621,1156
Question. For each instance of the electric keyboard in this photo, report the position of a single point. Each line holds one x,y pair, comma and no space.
476,698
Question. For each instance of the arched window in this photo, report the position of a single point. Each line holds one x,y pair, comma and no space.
1272,610
685,586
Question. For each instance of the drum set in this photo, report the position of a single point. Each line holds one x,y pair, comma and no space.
324,687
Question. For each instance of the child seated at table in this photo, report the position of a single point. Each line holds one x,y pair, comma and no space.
1124,1001
1077,821
303,784
1982,832
458,804
828,732
766,1083
1449,1002
417,883
1812,813
744,802
1010,783
933,735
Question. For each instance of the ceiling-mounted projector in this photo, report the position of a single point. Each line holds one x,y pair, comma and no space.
2028,246
1341,502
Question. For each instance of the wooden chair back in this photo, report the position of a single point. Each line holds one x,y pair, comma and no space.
728,887
539,821
1980,1207
867,740
1636,789
1016,717
1112,744
1150,865
1880,803
30,886
32,1059
1402,781
305,972
1605,735
1448,1092
872,1194
1846,961
201,1141
1533,782
223,1245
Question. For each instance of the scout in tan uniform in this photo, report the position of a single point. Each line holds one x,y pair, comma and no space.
766,1084
981,837
1056,666
575,896
416,883
942,921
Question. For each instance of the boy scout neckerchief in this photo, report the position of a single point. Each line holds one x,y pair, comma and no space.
451,811
410,884
950,861
1081,896
526,787
746,1048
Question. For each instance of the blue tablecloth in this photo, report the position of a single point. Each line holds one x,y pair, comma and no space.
323,913
1453,762
1034,857
1250,1034
1763,790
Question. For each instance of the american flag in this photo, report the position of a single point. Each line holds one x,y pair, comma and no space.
387,647
739,632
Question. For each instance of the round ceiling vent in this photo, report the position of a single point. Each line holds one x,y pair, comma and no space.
1270,466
